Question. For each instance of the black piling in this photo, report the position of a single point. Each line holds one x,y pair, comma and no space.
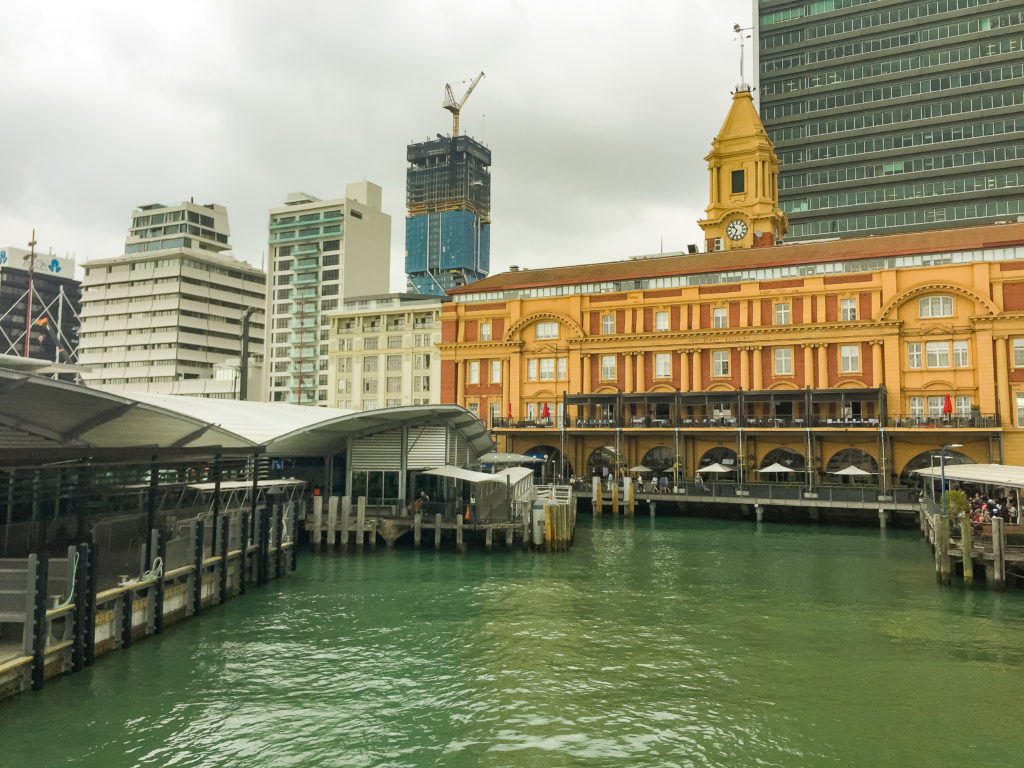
198,547
222,540
243,560
159,548
127,599
39,567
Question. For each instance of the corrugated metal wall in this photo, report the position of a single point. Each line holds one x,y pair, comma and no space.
426,447
380,451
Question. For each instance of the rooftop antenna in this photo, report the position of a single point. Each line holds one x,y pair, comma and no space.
454,106
743,84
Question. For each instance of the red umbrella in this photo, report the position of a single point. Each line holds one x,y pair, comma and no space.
947,407
544,413
510,409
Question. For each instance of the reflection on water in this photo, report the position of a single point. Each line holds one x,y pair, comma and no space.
677,643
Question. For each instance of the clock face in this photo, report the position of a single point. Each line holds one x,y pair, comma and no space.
736,229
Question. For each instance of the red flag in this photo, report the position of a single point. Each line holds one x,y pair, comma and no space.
545,412
947,407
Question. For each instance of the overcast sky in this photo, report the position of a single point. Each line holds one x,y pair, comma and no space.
598,114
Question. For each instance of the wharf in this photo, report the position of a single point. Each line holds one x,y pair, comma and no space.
549,523
996,549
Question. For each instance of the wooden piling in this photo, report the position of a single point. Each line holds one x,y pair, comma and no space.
881,519
332,522
318,524
942,563
629,489
489,538
651,505
360,522
346,521
460,545
417,529
437,532
759,513
615,499
598,496
967,549
510,533
549,533
998,552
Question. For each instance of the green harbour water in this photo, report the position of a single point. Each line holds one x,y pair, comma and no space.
675,642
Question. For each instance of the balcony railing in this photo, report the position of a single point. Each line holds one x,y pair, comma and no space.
976,421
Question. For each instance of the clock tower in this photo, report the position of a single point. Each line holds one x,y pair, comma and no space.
743,210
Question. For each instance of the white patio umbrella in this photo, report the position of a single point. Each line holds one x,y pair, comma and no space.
776,467
715,468
852,470
640,469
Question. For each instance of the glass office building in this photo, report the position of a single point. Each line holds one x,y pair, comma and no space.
893,116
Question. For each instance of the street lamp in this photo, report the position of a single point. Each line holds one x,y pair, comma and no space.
942,465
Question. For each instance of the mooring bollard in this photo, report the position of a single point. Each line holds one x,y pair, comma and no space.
332,522
942,563
967,549
346,521
318,524
360,522
998,552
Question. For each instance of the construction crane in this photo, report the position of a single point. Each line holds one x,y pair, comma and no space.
454,106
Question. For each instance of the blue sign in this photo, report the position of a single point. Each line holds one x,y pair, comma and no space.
3,257
54,266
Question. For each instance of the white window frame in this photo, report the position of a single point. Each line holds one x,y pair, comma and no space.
608,368
961,354
935,306
720,362
531,369
917,407
547,330
847,310
849,358
914,355
783,361
935,405
720,317
531,411
485,331
495,371
607,325
962,406
782,313
663,365
473,375
547,369
936,354
661,321
563,368
1018,353
1020,409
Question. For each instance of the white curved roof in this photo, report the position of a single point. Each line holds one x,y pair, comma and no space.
40,413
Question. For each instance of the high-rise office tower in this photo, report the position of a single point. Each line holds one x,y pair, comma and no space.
893,116
52,322
167,316
321,252
448,229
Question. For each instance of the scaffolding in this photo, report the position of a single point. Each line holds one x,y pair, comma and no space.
448,174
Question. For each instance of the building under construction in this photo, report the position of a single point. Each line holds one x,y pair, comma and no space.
448,195
49,330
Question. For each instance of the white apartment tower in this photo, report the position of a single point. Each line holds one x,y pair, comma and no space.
167,316
383,351
321,252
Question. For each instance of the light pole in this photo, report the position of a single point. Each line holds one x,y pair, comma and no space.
942,465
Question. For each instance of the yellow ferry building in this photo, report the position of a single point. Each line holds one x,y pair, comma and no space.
873,353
